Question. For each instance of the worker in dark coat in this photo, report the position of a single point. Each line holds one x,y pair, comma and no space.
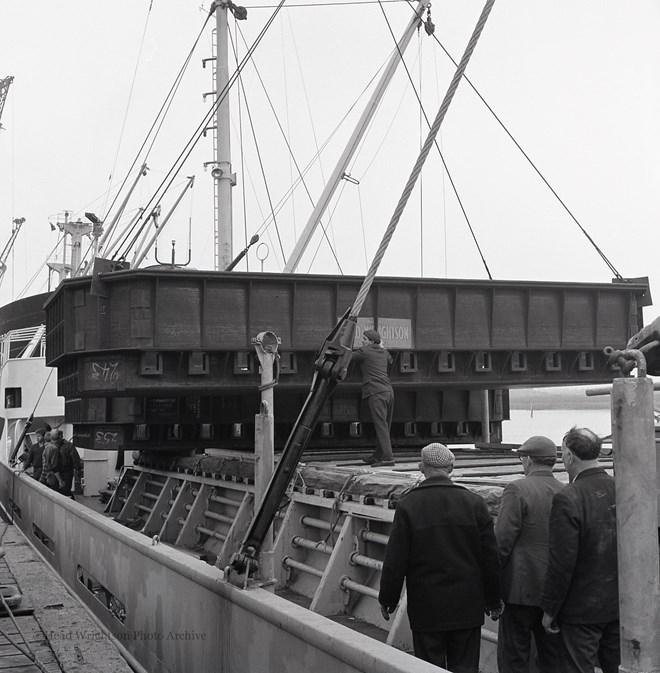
69,462
50,472
377,390
443,544
581,593
35,455
522,539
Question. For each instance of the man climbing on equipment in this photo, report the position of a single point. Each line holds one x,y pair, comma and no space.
377,390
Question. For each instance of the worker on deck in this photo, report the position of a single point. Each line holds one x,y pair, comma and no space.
522,539
50,473
581,592
443,545
35,454
69,462
377,390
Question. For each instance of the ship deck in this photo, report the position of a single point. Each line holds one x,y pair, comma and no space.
49,622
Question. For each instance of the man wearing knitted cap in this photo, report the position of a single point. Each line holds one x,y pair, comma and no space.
443,544
373,359
522,537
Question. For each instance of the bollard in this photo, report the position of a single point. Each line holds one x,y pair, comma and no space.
635,469
266,344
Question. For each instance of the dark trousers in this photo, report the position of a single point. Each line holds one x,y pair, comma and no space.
514,641
67,478
584,646
457,651
381,406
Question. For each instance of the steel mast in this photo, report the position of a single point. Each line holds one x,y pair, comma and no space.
222,174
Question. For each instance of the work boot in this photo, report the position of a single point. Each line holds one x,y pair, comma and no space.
371,459
383,463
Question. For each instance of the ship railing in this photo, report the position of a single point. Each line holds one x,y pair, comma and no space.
29,342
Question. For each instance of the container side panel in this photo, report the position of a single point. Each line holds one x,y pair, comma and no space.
314,314
545,312
270,310
178,316
473,318
611,319
435,319
509,319
579,320
226,315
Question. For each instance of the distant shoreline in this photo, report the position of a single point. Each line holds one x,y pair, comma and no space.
560,399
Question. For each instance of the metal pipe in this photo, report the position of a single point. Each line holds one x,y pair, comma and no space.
143,508
347,584
358,559
313,545
635,466
303,567
607,389
218,517
213,533
150,496
369,536
315,523
225,501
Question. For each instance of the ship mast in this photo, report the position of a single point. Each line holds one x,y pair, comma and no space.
222,174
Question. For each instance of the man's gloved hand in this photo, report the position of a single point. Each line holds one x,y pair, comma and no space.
386,611
496,611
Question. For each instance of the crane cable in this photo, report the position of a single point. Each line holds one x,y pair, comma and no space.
435,142
417,169
201,128
532,164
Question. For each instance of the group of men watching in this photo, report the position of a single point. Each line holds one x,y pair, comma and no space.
547,568
54,461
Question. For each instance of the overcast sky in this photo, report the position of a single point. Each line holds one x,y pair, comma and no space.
577,84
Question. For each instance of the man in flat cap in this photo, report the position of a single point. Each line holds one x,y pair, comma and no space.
443,544
580,596
522,537
373,359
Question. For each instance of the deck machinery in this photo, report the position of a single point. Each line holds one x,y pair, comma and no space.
163,359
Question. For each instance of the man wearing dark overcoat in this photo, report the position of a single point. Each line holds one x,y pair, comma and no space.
522,539
443,544
581,593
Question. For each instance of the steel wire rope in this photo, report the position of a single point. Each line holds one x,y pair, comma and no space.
160,117
442,158
128,103
38,271
243,193
292,156
313,126
258,151
532,164
324,227
435,127
201,128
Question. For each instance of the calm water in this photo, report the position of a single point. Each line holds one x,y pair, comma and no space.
553,423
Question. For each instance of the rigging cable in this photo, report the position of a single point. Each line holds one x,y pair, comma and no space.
220,96
128,103
533,165
160,116
292,157
435,127
258,151
444,163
